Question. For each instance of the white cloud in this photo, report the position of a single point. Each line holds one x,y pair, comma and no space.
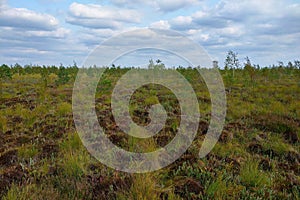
2,3
97,16
161,24
93,37
21,24
130,3
250,27
233,30
198,35
181,22
27,19
160,5
266,31
28,36
172,5
58,33
239,18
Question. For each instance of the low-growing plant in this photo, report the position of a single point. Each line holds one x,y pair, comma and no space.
276,144
217,189
27,152
74,164
71,143
262,118
144,187
31,191
251,176
63,109
152,100
75,157
3,122
229,149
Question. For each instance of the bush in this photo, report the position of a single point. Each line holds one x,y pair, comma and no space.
5,72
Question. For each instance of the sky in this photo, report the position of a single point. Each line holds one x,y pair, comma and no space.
54,32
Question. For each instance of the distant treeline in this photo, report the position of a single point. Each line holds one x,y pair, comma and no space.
37,69
67,73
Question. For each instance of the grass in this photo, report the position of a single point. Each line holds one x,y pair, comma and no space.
49,161
31,192
74,164
251,176
144,187
63,108
229,149
3,122
276,143
72,143
218,189
27,152
151,100
74,157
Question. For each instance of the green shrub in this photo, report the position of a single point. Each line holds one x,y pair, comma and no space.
63,76
5,72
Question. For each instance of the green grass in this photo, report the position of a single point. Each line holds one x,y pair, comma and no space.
50,161
217,189
276,143
27,152
251,176
31,192
63,108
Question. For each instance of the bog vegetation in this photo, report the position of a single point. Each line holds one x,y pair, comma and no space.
257,156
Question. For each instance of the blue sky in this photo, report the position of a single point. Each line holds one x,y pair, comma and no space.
56,31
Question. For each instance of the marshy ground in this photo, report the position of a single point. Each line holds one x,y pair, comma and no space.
257,156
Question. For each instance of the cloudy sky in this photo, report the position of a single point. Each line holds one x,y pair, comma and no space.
57,31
